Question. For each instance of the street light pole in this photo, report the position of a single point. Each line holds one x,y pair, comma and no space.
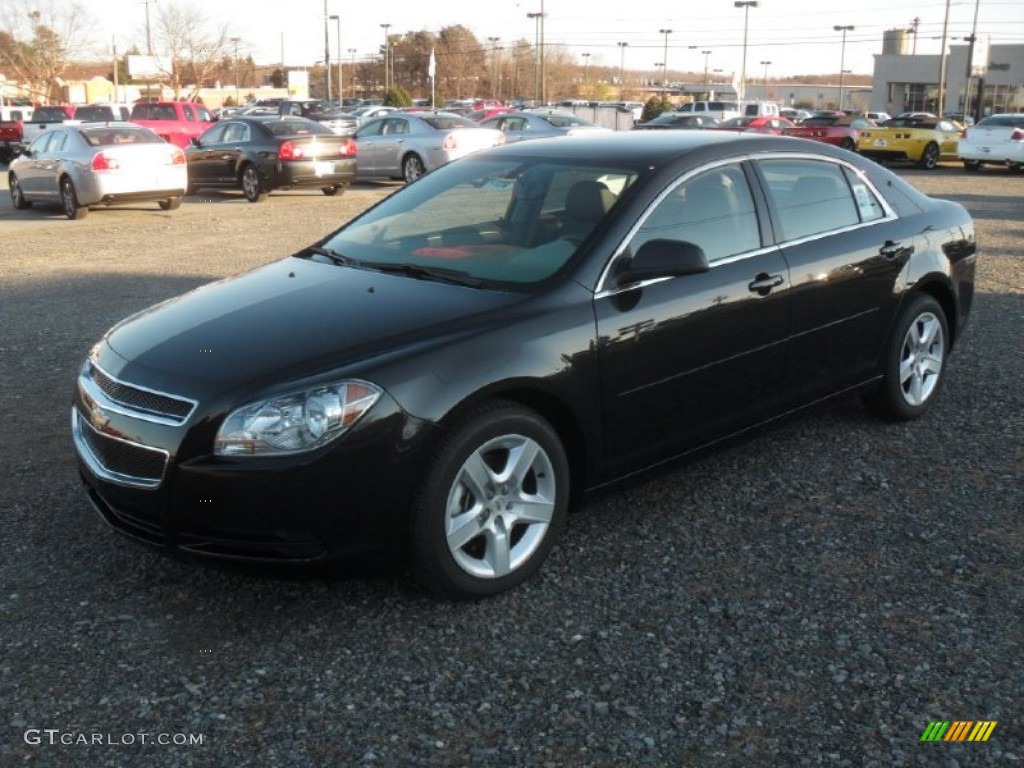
764,86
844,28
327,50
706,54
622,67
149,34
537,56
341,80
664,59
586,69
236,40
746,5
387,75
494,65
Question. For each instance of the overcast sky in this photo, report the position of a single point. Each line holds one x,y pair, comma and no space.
796,36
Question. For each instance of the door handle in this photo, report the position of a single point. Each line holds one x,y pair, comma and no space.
893,248
764,283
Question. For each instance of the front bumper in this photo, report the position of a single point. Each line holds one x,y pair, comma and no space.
346,499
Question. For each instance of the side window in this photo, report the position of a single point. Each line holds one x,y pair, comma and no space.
714,210
58,142
810,196
39,143
190,116
215,135
867,204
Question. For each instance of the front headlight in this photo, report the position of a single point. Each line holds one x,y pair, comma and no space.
294,423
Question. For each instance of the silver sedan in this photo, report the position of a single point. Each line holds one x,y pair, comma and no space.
98,164
405,145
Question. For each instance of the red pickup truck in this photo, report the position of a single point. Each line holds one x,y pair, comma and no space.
12,119
177,122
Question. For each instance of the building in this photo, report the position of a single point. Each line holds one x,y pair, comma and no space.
905,82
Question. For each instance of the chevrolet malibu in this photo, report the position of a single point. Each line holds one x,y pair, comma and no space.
447,374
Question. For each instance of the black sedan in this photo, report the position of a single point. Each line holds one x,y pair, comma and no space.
678,121
446,374
261,154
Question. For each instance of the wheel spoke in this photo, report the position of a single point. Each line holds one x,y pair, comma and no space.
906,371
463,528
916,395
497,555
930,328
931,364
476,476
520,463
531,509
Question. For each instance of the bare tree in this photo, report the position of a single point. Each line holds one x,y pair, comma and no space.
190,48
38,40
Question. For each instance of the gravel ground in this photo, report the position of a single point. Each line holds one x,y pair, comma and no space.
813,596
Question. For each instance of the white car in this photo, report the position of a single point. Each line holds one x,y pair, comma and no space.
94,164
997,140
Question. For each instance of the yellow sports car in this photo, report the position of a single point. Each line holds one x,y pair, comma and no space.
921,139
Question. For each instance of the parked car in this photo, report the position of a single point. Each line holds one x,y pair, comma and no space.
841,131
924,140
995,140
176,122
678,121
539,124
877,117
88,165
12,129
341,123
261,154
483,113
446,374
774,125
795,115
365,114
405,145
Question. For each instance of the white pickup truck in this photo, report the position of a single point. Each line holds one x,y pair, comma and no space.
43,118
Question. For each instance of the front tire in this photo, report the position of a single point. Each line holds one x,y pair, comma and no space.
915,361
930,157
492,503
848,144
252,185
17,196
412,168
332,190
69,201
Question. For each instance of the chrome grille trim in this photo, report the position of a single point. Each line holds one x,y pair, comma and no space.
134,400
88,441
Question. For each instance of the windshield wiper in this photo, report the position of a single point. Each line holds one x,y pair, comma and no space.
334,256
456,276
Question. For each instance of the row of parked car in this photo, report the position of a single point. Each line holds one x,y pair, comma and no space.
83,164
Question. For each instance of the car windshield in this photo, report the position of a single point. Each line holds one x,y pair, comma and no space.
511,221
121,134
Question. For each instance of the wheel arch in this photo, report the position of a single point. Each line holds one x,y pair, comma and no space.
942,292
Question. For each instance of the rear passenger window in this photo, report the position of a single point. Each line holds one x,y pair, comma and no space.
868,205
810,197
714,210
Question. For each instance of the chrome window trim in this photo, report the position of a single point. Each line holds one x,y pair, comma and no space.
97,468
603,291
93,390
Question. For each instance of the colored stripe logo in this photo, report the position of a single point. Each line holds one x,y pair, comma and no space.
958,730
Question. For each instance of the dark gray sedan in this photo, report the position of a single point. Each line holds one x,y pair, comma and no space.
540,123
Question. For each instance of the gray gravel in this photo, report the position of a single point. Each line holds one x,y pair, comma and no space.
813,596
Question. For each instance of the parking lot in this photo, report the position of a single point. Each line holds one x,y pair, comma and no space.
815,595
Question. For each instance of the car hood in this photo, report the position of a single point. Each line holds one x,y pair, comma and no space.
292,318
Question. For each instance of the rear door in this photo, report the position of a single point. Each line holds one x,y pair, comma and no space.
845,249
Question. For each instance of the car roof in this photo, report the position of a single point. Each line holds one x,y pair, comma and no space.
660,147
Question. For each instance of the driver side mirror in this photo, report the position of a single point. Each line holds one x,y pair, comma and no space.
195,142
663,258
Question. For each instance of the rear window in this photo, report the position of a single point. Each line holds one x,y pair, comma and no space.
95,114
109,136
1003,121
449,122
49,115
295,127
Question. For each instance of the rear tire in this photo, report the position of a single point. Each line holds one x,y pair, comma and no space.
69,201
252,185
930,157
848,144
171,204
332,191
972,166
915,361
412,168
17,196
1014,167
491,504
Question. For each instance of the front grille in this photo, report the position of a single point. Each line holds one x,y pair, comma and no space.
118,460
174,409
